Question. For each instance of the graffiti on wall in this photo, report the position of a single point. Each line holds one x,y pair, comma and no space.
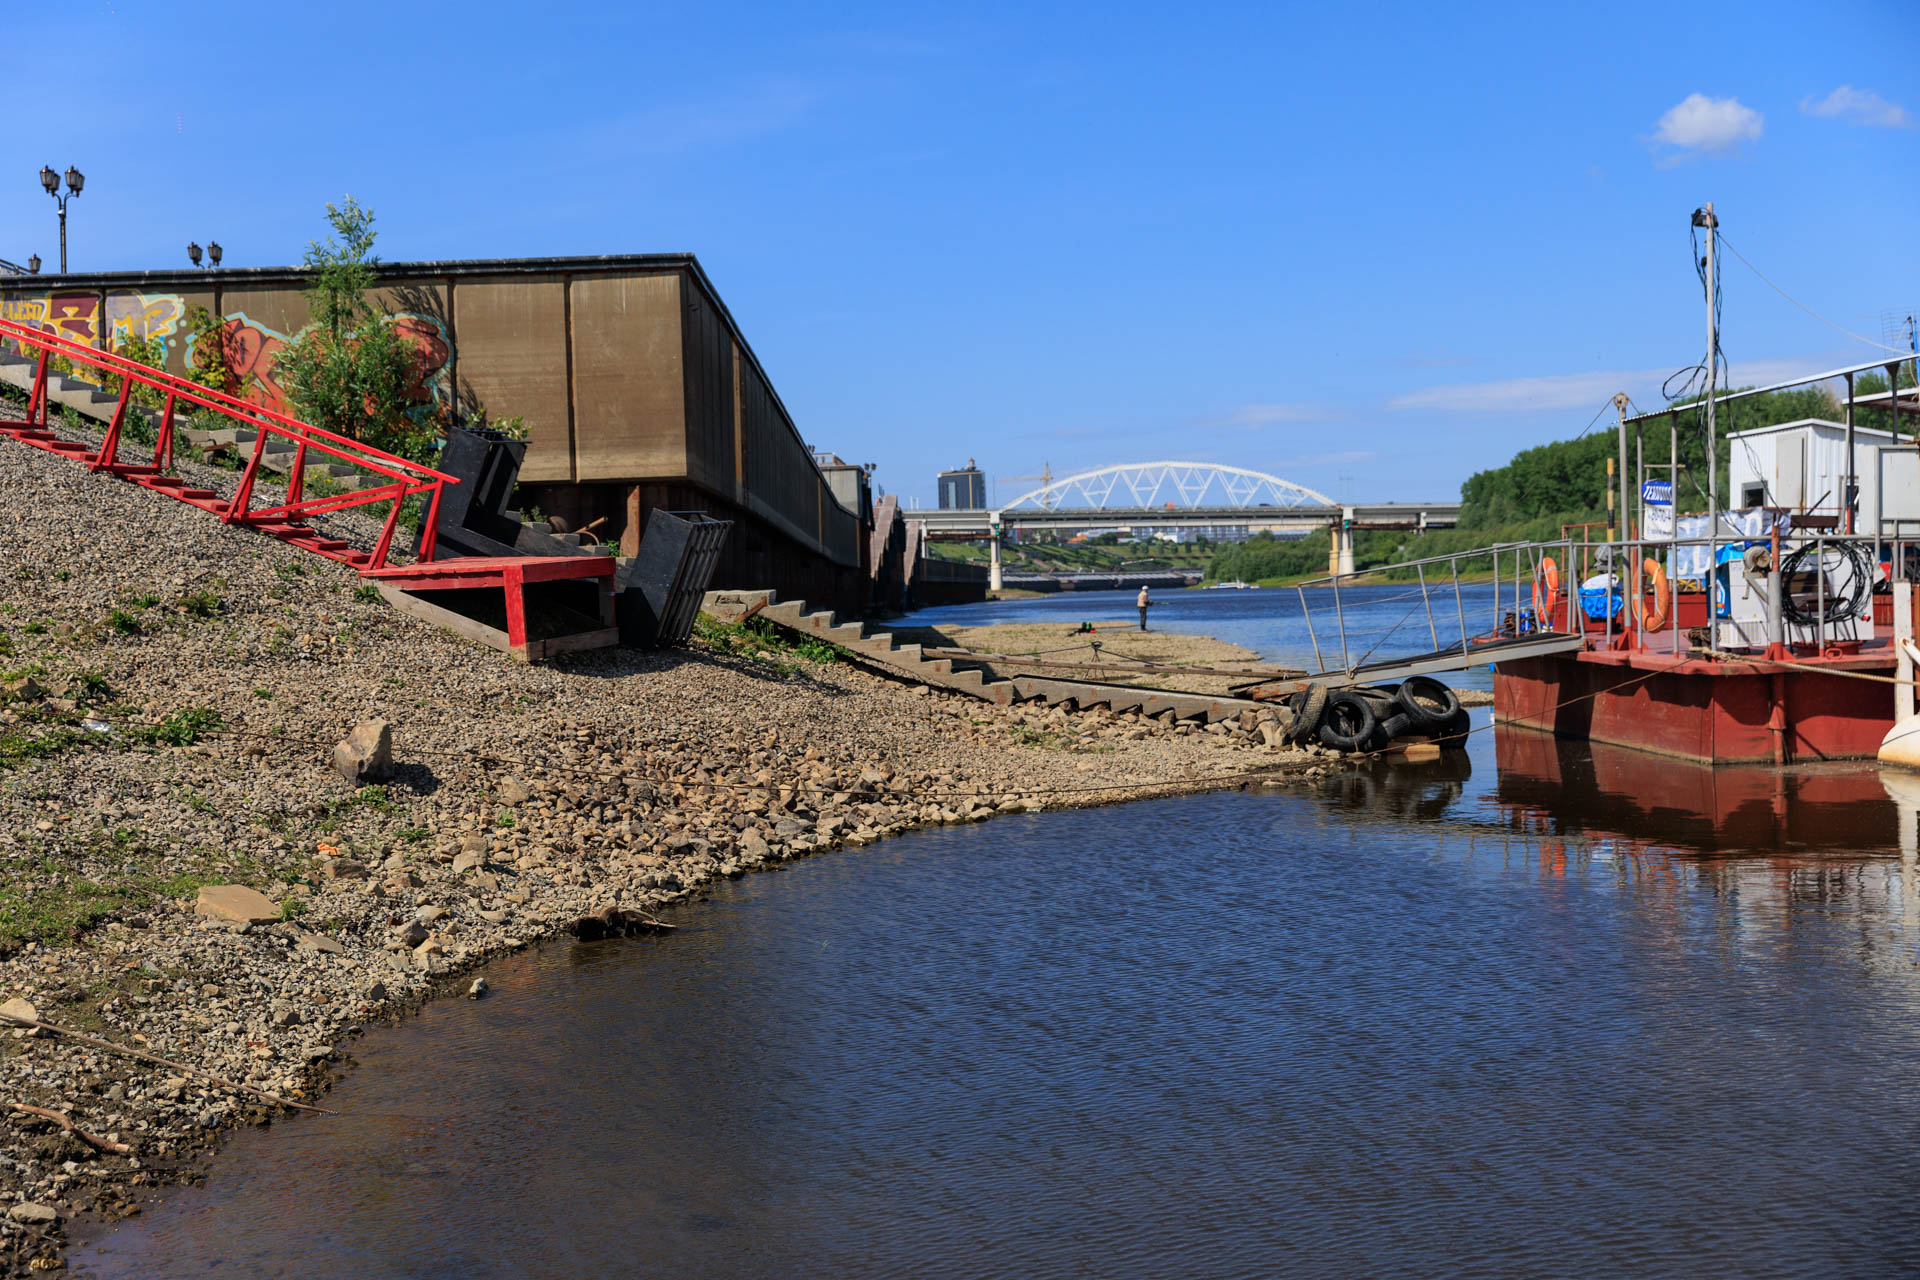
153,317
249,346
71,315
77,316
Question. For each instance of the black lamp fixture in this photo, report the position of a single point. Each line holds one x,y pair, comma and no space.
213,252
33,265
193,251
51,181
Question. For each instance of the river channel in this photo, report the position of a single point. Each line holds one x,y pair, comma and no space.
1534,1009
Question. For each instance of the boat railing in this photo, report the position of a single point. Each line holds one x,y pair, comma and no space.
1540,590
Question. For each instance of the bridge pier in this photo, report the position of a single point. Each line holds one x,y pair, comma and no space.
1340,553
994,580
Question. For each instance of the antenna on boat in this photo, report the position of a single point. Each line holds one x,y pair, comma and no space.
1703,217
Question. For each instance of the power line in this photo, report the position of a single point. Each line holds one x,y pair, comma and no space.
1809,310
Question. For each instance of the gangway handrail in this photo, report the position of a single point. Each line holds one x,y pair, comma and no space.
408,478
1625,560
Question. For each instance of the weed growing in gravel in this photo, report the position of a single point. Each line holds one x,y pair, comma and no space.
202,604
6,645
181,729
367,593
144,602
505,818
35,628
412,835
289,570
266,694
89,688
376,799
123,623
61,575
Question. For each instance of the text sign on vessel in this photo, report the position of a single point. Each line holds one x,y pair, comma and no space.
1656,519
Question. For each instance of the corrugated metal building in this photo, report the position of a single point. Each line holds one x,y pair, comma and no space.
1802,466
636,383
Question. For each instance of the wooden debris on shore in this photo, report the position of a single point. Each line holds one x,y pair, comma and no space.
616,922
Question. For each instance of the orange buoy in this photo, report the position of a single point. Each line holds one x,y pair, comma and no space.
1662,597
1546,592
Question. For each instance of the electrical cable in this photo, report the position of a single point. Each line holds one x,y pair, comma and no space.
1899,351
1841,606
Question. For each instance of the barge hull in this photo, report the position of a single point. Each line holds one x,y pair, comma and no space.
1718,712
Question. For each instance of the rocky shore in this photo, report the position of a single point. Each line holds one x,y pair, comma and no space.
184,873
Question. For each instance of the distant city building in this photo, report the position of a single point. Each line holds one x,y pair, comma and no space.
1205,533
963,490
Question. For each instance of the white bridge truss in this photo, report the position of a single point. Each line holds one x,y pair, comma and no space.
1181,485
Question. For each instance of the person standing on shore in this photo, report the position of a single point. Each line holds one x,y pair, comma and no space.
1143,602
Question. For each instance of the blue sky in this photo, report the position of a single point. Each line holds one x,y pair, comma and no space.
1369,248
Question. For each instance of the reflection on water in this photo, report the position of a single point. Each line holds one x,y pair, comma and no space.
1531,1010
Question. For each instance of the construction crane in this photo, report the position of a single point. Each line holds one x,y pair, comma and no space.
1045,478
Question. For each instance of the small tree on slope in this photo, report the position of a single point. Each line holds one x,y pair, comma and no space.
348,371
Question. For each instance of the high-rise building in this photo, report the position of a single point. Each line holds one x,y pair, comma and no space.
964,489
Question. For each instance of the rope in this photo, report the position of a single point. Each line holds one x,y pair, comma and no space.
1802,667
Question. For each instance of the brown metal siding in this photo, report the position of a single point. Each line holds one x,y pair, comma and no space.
629,402
512,344
709,387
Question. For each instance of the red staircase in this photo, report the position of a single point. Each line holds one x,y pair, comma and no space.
396,478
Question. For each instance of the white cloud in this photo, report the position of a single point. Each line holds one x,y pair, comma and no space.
1587,391
1521,395
1262,415
1860,106
1700,123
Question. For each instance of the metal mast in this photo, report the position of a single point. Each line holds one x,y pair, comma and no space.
1703,217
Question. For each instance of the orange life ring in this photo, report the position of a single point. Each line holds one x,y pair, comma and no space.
1662,597
1547,575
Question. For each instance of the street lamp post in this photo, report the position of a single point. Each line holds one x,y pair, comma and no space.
51,181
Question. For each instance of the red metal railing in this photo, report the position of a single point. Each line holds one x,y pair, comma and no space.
406,478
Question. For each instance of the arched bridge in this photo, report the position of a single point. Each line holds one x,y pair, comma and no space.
1191,486
1147,496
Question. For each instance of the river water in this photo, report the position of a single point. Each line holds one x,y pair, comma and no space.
1534,1009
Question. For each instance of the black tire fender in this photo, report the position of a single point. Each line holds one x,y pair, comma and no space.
1427,702
1349,721
1309,708
1452,736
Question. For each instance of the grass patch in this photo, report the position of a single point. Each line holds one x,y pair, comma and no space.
18,747
367,593
123,623
758,641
